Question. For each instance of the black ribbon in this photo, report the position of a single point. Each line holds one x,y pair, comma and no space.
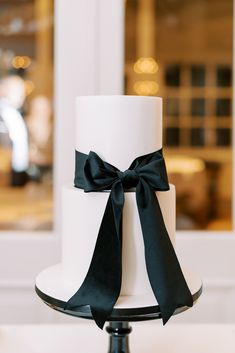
102,284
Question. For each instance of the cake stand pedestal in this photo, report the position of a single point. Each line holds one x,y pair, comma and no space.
118,328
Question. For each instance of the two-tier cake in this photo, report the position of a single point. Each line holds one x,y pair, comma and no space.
118,129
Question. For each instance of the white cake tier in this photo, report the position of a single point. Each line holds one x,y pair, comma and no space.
53,283
81,217
118,128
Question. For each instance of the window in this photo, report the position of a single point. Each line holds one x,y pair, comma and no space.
26,124
188,62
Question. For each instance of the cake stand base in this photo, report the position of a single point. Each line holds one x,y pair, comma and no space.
53,289
119,340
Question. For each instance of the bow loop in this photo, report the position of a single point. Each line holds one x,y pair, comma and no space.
98,175
102,284
155,175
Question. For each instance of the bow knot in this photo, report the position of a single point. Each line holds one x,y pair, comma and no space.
102,284
129,178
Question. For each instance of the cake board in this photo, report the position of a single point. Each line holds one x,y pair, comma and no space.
54,289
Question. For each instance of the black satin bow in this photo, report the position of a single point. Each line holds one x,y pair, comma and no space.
102,284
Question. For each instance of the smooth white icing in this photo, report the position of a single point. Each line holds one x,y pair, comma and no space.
118,128
52,282
82,214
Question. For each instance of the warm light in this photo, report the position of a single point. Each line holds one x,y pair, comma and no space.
184,165
17,62
21,62
146,66
146,88
29,87
27,62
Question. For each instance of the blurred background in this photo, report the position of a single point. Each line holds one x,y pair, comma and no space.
183,51
180,50
26,114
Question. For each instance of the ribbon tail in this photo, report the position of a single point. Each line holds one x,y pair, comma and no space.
164,271
102,284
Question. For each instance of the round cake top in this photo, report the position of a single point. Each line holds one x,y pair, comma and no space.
118,128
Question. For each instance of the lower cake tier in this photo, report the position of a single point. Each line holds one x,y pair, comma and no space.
81,217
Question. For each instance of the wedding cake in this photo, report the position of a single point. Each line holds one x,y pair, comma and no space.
118,130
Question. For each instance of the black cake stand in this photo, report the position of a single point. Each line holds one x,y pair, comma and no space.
118,327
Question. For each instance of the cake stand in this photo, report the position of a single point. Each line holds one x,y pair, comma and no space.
52,288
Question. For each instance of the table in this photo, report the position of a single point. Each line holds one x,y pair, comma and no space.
147,337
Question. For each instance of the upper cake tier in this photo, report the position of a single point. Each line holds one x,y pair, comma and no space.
118,128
